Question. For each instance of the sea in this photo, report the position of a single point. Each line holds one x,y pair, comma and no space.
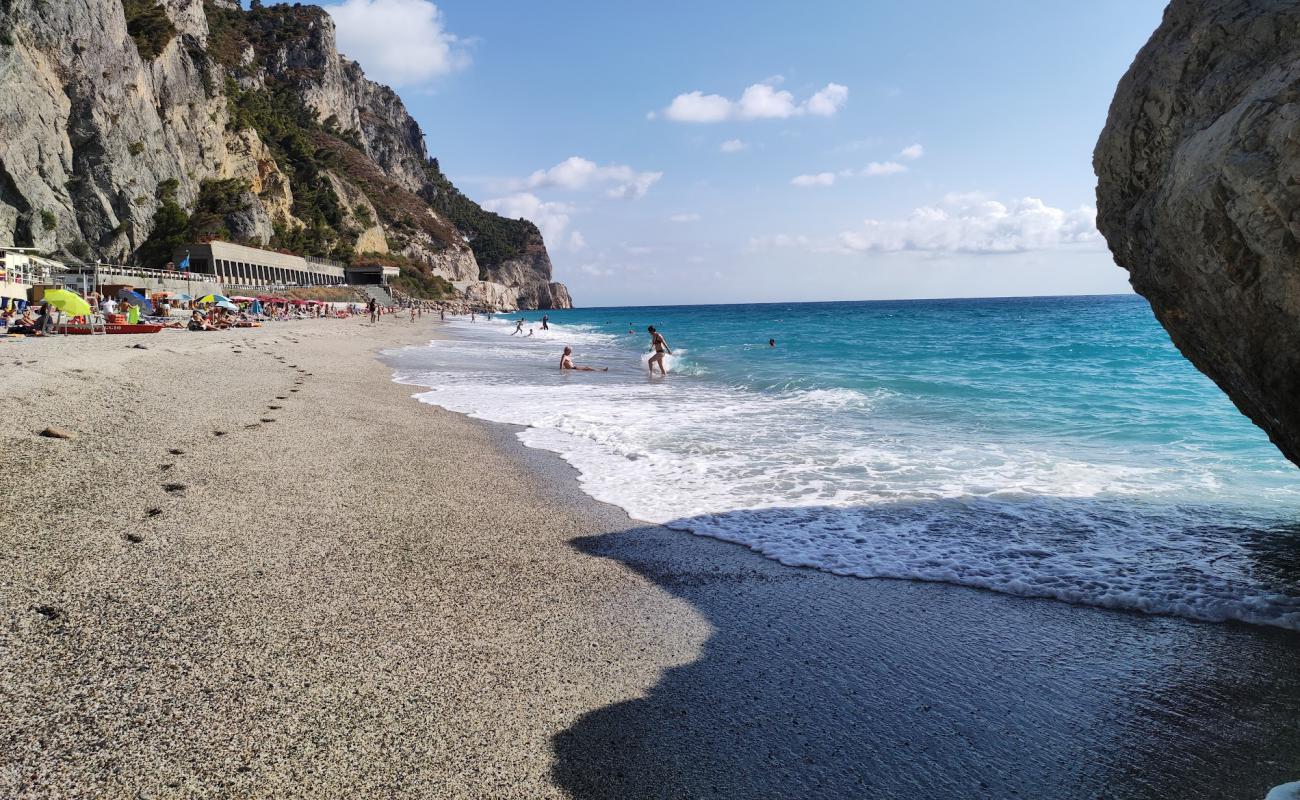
1052,447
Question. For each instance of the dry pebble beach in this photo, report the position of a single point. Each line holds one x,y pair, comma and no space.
248,564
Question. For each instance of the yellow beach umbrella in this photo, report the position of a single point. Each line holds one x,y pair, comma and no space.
213,298
67,302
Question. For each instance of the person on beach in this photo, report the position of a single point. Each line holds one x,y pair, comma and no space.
373,308
412,313
530,333
546,323
660,350
566,362
519,328
198,323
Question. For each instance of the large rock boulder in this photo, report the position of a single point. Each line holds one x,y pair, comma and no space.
1198,195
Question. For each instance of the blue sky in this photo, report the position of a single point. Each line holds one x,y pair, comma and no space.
877,149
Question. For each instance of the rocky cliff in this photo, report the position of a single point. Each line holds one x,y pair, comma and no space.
129,126
1198,195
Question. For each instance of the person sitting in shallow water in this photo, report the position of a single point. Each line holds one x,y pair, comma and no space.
566,363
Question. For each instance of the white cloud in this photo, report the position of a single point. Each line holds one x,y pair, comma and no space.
577,241
684,218
975,223
550,218
912,152
579,173
876,169
698,107
398,42
761,101
820,179
829,100
733,146
758,101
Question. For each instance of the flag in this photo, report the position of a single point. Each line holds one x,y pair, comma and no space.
185,263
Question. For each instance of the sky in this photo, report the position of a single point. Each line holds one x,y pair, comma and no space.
684,152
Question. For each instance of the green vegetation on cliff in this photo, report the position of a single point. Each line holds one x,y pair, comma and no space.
149,26
494,238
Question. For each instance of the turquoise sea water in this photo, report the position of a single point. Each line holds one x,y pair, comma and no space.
1052,447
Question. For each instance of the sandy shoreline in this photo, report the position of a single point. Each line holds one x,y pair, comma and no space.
355,594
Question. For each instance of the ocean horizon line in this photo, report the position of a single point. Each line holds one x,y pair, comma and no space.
841,302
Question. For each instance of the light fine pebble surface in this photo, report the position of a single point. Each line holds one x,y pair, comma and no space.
223,587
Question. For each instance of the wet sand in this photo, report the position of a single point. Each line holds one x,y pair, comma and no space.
354,594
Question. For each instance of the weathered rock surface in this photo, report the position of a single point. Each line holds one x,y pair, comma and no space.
92,124
1198,195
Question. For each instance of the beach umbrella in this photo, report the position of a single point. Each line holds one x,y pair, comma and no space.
67,302
298,302
184,298
227,305
135,299
241,299
163,295
214,298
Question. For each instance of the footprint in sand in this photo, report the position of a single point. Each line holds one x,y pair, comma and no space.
133,538
165,467
173,488
281,397
268,419
176,451
49,612
252,427
218,433
152,512
293,390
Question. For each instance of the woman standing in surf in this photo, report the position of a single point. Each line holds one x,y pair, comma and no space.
661,349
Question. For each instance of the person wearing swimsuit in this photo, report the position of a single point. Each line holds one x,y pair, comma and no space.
661,349
566,363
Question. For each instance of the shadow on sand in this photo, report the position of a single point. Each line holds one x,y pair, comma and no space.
813,685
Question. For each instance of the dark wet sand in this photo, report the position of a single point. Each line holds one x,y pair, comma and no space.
372,597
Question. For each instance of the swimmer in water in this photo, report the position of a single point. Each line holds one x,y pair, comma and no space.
566,362
771,342
661,349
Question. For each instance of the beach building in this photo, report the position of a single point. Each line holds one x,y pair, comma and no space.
240,265
21,269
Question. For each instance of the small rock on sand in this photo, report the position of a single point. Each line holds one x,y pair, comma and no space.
55,432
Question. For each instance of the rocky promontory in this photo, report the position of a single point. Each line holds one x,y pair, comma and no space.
128,127
1198,195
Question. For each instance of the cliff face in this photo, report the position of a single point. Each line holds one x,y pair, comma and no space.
1198,195
127,126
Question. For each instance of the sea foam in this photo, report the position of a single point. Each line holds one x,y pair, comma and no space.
856,483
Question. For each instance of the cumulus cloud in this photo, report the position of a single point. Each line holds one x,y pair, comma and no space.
577,241
684,218
733,146
976,223
580,173
912,152
551,218
829,100
819,179
876,169
697,107
758,101
398,42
